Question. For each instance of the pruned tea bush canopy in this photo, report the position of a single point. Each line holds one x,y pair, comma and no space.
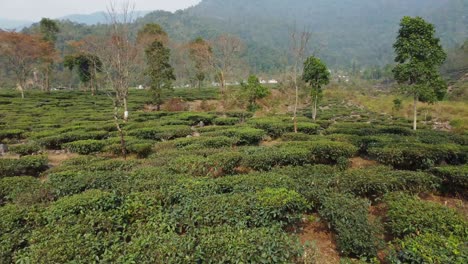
220,187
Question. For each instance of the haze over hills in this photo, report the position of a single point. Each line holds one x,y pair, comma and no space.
345,32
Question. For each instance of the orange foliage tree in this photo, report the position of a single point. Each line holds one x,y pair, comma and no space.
23,53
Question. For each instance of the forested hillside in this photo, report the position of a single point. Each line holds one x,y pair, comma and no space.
345,32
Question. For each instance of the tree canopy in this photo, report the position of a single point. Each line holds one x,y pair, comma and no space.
419,55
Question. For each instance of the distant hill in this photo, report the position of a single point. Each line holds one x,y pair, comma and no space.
10,24
96,18
346,33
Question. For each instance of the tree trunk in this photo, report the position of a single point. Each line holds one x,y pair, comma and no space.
121,134
125,109
21,86
22,92
223,89
48,73
314,108
296,98
415,117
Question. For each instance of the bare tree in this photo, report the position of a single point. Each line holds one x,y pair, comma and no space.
299,44
225,57
118,54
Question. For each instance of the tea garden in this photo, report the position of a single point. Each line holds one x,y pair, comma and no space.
238,189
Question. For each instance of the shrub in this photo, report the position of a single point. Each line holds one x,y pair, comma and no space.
16,225
142,150
205,142
195,118
264,208
73,182
29,165
419,156
253,245
409,215
297,153
11,134
441,137
83,203
245,135
276,127
22,190
226,121
85,147
254,182
430,248
214,166
161,133
265,158
74,238
312,181
291,136
56,141
26,149
348,217
454,178
374,182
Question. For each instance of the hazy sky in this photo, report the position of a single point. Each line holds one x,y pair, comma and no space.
32,10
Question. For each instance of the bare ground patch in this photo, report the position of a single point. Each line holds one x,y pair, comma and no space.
318,234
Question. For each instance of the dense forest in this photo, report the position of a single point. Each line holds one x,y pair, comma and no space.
344,33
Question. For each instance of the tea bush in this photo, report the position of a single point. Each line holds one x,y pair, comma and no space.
161,133
347,215
419,156
264,208
74,182
454,178
215,165
29,165
205,142
297,153
26,149
11,134
430,248
16,224
409,215
56,141
226,121
276,127
85,147
244,135
375,182
24,190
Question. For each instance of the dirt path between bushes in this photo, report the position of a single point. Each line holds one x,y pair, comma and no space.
317,234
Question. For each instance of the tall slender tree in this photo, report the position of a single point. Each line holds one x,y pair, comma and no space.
49,30
419,56
200,51
299,44
316,75
159,71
